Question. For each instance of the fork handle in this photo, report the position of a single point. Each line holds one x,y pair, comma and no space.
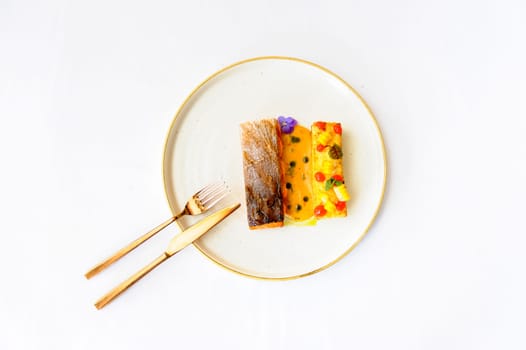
125,250
115,292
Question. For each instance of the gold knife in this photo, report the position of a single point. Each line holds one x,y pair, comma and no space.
177,243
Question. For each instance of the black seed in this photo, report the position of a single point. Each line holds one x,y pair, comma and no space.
305,159
305,199
295,139
288,185
298,207
292,164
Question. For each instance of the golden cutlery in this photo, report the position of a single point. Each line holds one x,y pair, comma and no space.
200,202
177,243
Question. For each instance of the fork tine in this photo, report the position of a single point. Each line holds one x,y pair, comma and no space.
212,195
208,188
213,201
211,187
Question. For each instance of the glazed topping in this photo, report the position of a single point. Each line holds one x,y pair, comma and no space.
296,157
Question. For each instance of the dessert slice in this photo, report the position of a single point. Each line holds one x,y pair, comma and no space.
261,147
329,191
297,174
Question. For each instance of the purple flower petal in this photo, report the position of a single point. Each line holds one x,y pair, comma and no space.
287,124
291,121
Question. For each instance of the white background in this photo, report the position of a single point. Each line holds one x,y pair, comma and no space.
88,90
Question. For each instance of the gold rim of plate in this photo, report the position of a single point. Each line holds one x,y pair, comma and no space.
299,60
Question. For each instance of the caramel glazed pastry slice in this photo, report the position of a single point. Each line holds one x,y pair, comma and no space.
261,148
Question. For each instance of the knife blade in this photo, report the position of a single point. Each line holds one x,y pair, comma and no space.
195,231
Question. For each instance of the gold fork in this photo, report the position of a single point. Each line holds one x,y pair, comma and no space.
200,202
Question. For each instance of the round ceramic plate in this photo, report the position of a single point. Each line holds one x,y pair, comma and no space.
203,146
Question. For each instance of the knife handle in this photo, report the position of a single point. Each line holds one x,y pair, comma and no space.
115,292
125,250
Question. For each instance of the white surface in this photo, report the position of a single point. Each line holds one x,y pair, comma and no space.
87,92
204,146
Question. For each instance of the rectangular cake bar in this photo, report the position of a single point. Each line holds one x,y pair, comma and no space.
261,147
328,184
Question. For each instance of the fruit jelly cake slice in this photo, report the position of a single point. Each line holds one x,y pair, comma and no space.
329,190
296,162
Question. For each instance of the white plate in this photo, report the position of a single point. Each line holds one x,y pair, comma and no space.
203,146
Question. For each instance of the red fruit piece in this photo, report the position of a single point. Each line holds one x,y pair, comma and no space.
321,125
337,128
320,147
337,178
319,176
320,211
341,205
